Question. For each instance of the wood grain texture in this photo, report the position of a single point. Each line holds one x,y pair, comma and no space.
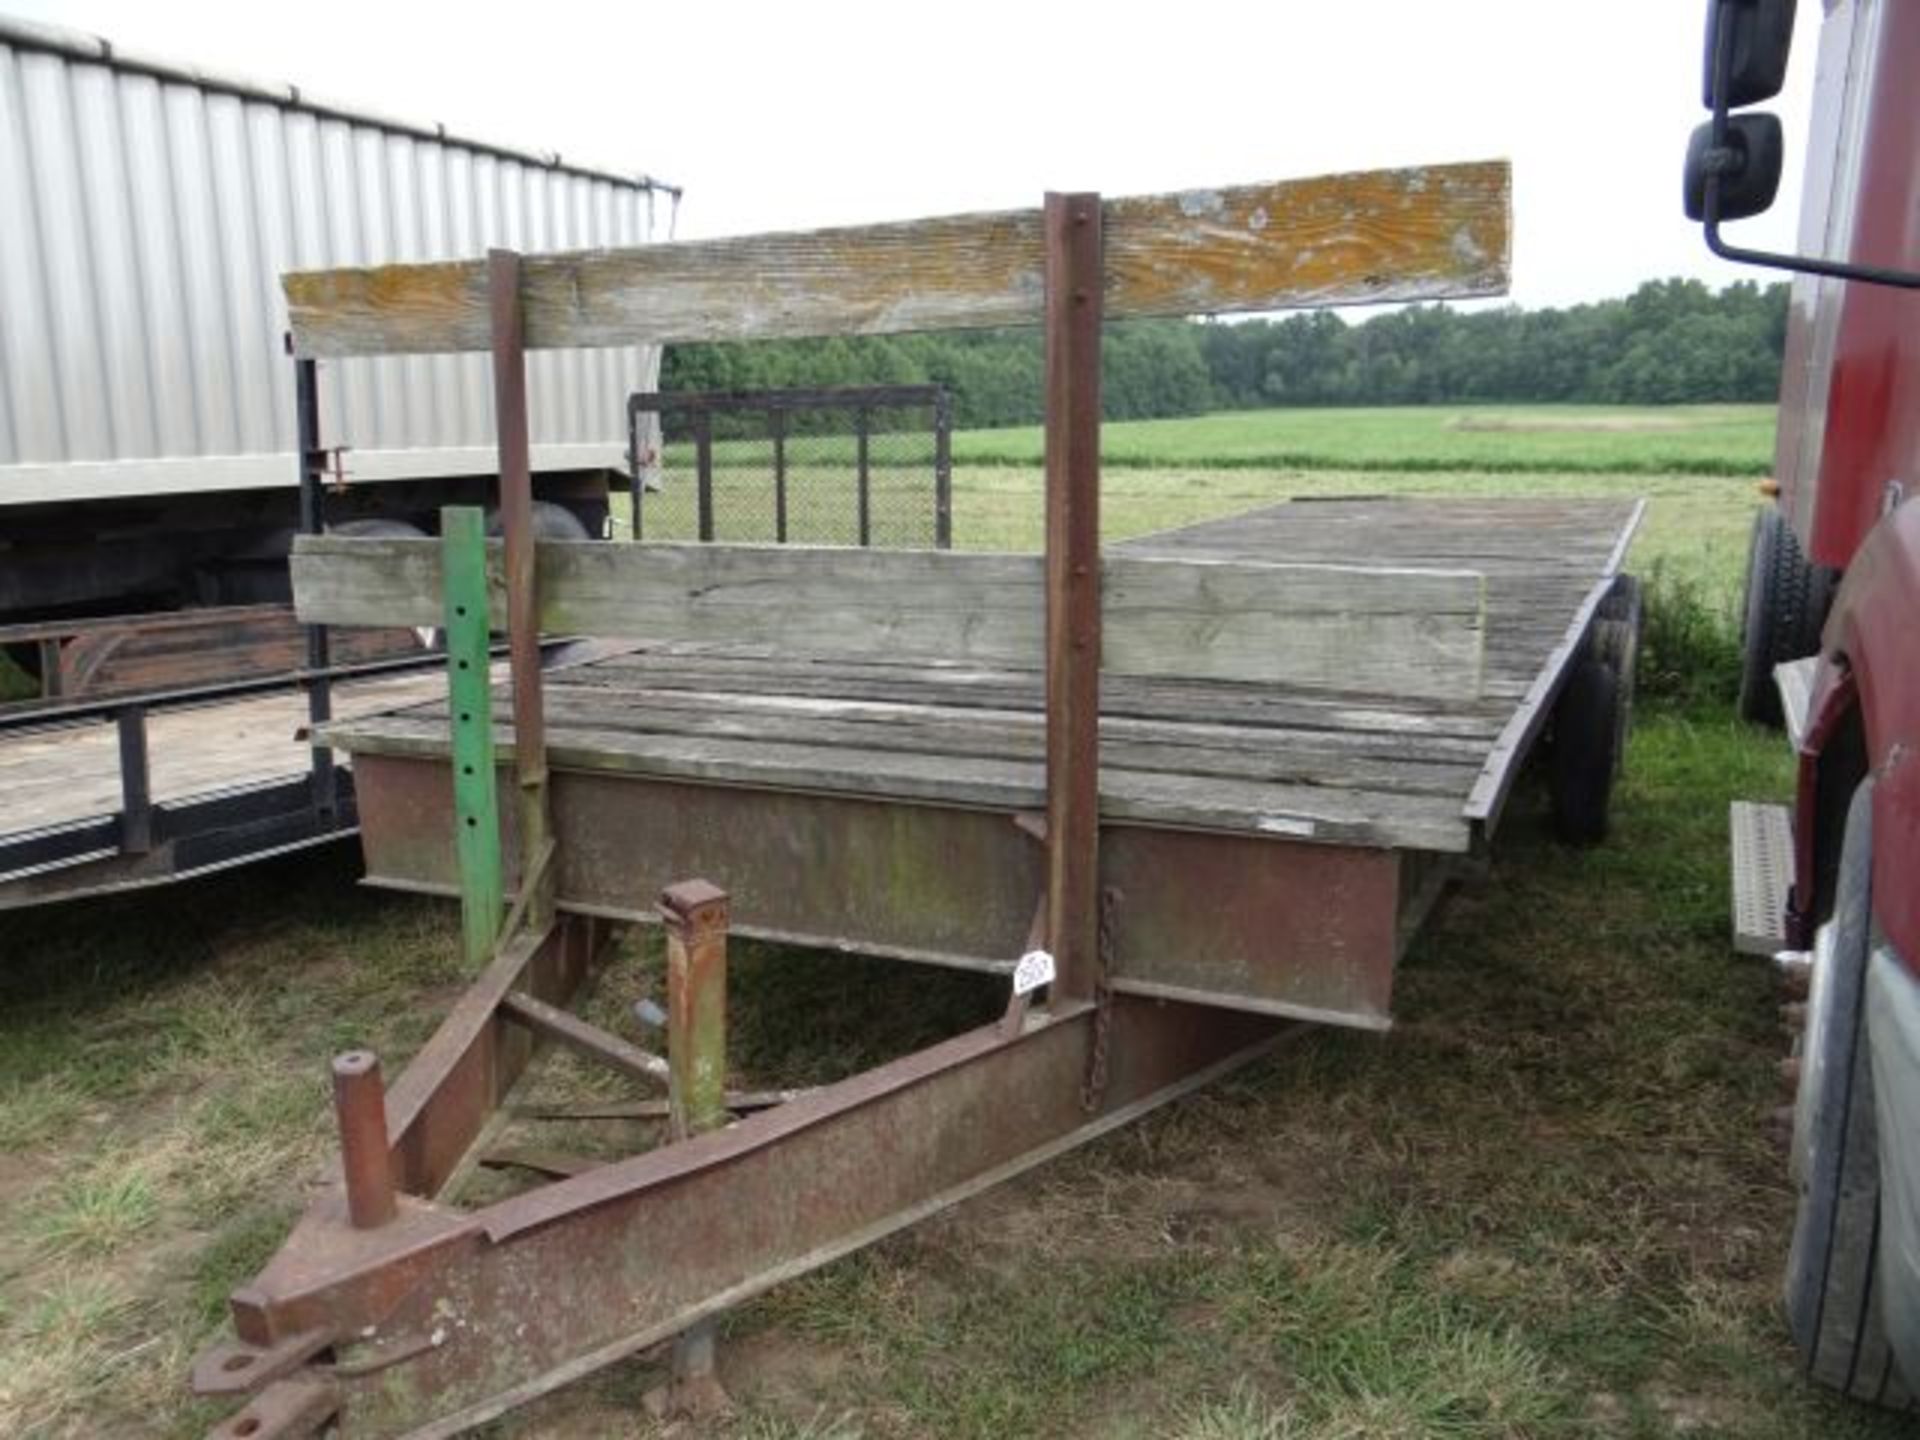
1423,233
1372,631
1305,764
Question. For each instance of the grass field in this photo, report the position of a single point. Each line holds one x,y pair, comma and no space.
1487,439
1545,1205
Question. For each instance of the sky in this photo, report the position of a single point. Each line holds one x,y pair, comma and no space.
811,113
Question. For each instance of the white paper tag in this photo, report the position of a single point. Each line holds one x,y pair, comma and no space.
1034,970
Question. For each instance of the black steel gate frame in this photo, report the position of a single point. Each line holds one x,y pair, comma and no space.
777,405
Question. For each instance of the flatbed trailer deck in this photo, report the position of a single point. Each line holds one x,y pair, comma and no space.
1196,796
1331,817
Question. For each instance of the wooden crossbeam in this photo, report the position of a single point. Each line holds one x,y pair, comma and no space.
1425,233
1377,631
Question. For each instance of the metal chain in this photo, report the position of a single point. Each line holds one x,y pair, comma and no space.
1094,1088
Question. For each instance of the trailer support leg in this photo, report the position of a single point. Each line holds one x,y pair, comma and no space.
695,916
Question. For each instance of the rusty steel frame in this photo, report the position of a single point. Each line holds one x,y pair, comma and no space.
441,1319
1309,933
388,1311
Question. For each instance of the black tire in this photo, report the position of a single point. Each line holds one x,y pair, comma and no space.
1586,727
1617,628
378,527
1784,612
1832,1268
551,521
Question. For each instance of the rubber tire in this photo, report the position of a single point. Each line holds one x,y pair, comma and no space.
1833,1264
1784,611
377,528
1586,728
1617,628
551,521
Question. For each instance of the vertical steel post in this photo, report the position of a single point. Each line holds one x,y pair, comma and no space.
476,793
366,1158
703,467
523,614
635,481
695,914
862,422
777,424
943,469
313,520
136,795
1073,312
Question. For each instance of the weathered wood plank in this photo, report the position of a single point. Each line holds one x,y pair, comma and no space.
1373,631
1320,813
1196,750
1422,233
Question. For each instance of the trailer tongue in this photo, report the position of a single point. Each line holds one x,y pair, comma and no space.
1182,796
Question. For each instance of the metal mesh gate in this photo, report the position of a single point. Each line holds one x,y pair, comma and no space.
867,466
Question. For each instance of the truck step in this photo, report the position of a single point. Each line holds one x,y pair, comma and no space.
1794,681
1762,875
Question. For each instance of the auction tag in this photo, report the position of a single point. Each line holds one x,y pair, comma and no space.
1034,970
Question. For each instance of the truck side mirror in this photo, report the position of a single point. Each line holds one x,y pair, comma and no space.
1748,166
1759,34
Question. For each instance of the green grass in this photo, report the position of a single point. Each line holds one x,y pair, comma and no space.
1481,439
1545,1205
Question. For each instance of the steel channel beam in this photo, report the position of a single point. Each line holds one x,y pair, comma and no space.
485,1311
1072,324
523,617
1253,922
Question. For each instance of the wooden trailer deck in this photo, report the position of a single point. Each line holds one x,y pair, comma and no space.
679,757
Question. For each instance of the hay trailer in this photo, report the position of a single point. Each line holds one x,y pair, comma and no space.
1183,795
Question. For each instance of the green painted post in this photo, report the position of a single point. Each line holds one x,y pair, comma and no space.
476,795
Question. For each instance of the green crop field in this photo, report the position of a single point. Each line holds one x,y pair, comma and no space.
1545,1205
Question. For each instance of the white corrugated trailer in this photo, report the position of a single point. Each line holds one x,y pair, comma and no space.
149,485
147,210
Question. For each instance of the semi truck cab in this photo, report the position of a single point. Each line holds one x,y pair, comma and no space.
1831,649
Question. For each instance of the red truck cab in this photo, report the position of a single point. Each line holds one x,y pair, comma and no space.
1833,595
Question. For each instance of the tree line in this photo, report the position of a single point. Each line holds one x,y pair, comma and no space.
1669,342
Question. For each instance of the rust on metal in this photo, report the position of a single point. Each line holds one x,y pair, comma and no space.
298,1406
643,1248
695,914
523,618
360,1105
236,1368
589,1040
1073,260
1310,932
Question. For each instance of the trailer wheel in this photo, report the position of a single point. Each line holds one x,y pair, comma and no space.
1616,640
1833,1309
377,527
1586,727
551,521
1785,610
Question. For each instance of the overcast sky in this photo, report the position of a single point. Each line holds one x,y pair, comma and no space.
794,115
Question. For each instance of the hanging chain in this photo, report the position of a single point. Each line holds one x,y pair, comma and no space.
1094,1088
